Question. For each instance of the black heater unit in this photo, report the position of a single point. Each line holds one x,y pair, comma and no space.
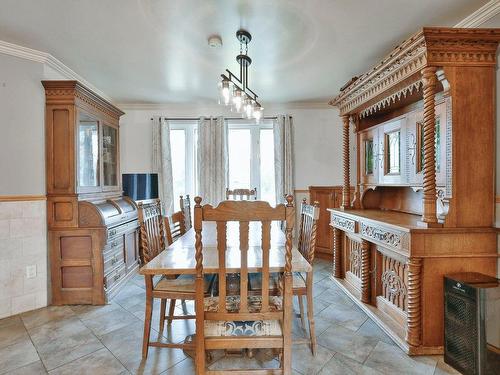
472,323
140,186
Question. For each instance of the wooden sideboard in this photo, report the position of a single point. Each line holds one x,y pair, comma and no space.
92,228
327,197
424,204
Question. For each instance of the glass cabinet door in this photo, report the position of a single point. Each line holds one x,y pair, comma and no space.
109,156
88,154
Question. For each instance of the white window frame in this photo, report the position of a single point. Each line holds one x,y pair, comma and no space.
190,128
254,148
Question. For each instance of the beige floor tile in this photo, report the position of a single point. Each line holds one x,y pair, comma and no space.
60,342
110,321
389,359
126,346
12,331
86,312
35,368
44,315
335,296
444,369
347,342
342,365
184,367
17,355
349,317
307,364
99,362
369,328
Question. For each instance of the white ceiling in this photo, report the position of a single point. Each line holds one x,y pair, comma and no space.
156,51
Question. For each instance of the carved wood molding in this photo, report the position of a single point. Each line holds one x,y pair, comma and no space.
414,329
65,92
346,188
386,237
337,253
429,47
344,223
365,272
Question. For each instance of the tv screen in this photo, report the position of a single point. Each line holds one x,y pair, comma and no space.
140,186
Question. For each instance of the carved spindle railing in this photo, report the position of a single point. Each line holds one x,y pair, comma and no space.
414,330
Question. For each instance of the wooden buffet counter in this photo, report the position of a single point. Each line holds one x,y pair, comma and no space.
424,205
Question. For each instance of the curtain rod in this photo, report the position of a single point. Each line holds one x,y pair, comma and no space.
197,118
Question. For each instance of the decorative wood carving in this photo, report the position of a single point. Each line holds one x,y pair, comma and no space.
354,256
365,272
346,162
430,46
429,79
344,223
385,237
337,254
394,276
414,329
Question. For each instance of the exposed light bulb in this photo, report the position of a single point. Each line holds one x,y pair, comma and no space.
225,91
248,108
257,113
237,99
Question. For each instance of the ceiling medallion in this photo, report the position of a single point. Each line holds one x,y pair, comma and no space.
234,90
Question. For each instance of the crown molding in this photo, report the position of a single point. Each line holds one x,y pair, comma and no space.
480,16
216,108
26,53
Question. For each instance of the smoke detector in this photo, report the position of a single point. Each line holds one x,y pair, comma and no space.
215,41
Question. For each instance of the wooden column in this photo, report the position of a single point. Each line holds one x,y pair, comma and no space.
337,254
346,161
429,80
365,272
414,331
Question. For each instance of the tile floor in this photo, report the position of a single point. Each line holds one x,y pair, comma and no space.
107,340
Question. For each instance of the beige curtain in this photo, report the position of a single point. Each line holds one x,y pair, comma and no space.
162,163
212,159
283,157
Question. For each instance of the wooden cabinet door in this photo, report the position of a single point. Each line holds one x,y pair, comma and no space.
326,199
414,129
131,249
369,158
392,138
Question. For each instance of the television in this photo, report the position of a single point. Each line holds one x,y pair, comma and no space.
140,186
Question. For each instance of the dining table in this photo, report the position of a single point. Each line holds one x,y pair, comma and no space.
179,257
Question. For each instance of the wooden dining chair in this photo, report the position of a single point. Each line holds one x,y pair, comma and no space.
152,239
241,194
243,321
302,284
185,204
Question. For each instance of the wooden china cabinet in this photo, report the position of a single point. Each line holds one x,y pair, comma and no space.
92,228
424,206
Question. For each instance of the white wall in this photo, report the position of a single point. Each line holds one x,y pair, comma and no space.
317,140
22,106
23,225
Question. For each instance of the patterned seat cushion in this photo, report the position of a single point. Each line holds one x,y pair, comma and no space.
183,283
255,281
243,328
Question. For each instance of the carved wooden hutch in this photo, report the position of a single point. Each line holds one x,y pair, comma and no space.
92,228
424,203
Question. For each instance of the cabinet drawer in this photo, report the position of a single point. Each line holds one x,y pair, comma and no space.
112,259
114,276
121,229
113,244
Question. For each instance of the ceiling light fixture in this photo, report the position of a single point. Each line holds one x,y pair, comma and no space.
234,91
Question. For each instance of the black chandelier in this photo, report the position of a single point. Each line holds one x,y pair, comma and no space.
234,90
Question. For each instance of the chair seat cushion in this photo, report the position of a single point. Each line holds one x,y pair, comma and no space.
255,281
183,284
243,328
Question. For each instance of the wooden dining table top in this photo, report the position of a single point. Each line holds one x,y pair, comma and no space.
179,257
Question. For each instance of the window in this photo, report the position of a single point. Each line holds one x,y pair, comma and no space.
251,158
183,140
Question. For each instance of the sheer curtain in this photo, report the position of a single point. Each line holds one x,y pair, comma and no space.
162,163
212,159
283,157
